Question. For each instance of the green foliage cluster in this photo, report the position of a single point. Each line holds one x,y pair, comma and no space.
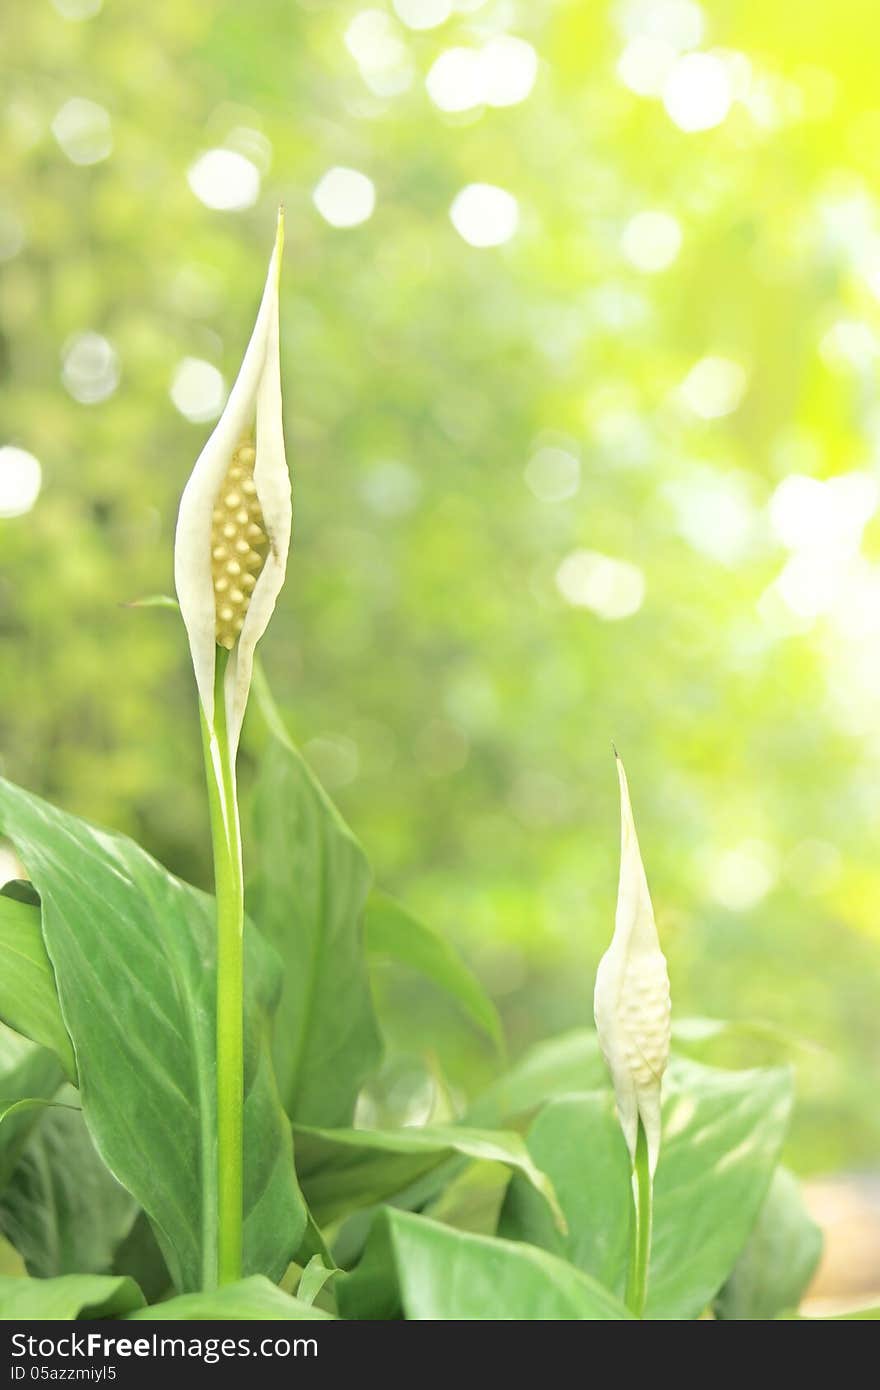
455,704
518,1210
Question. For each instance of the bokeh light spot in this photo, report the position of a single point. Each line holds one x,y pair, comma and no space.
345,197
20,479
83,131
391,488
810,583
680,23
612,589
484,215
455,80
645,64
714,513
697,93
713,387
422,14
509,67
651,241
501,73
198,389
89,368
380,53
850,344
224,180
740,877
811,514
553,474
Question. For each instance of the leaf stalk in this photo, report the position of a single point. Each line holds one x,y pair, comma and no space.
640,1228
229,892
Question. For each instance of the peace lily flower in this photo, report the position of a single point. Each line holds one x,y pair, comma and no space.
230,555
233,527
632,1005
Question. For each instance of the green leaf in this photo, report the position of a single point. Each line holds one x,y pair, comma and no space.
342,1170
722,1132
580,1137
312,1243
249,1300
20,890
314,1277
570,1062
62,1210
28,996
139,1256
307,897
28,1073
133,953
779,1260
393,933
430,1272
70,1297
14,1107
695,1033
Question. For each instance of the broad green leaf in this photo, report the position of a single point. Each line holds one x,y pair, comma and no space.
430,1272
722,1132
252,1300
314,1277
693,1034
341,1170
70,1297
132,949
28,1073
312,1243
28,997
581,1138
393,933
470,1199
570,1062
778,1262
62,1209
307,897
140,1258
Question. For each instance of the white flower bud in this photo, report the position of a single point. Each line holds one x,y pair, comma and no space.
631,1004
233,527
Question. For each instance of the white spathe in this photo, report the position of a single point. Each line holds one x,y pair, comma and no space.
254,402
631,1004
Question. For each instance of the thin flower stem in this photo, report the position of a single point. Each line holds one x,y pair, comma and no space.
229,887
640,1228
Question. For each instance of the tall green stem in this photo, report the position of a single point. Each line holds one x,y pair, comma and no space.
640,1229
229,888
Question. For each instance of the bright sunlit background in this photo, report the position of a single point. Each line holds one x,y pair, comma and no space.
581,340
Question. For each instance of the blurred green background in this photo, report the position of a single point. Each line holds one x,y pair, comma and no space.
581,327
